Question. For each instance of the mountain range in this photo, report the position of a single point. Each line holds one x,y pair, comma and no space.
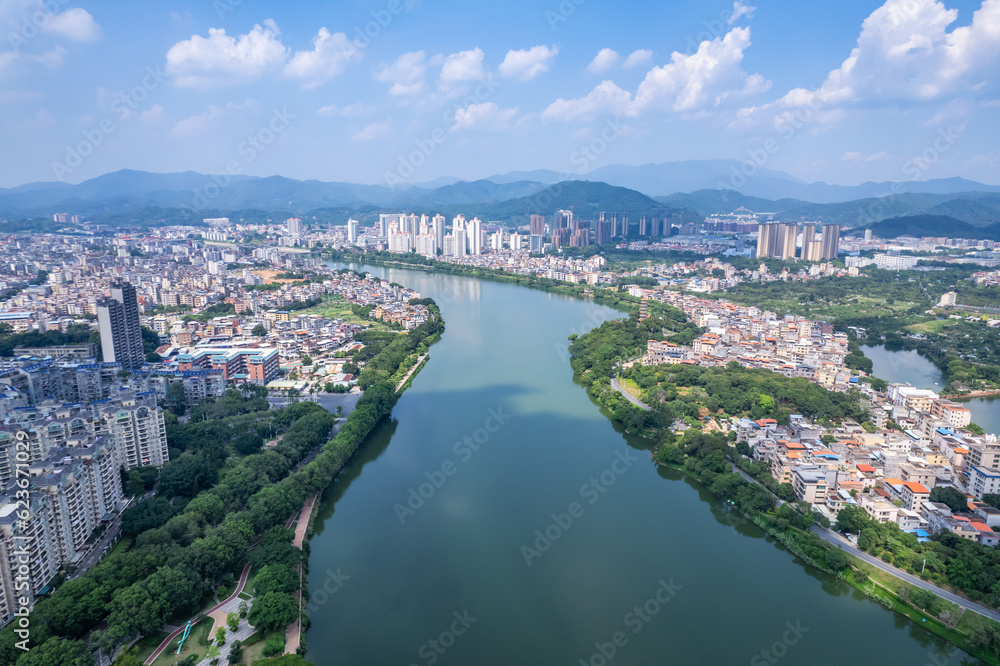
684,190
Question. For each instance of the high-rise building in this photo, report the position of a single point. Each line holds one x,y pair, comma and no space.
496,241
438,222
656,227
294,226
353,227
777,240
516,242
615,229
536,243
563,219
643,225
426,244
561,236
459,240
831,241
580,238
475,235
811,248
118,319
537,225
602,232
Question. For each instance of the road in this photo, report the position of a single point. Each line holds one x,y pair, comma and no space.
97,550
628,396
846,545
293,633
410,373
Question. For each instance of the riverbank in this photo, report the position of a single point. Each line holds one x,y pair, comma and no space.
701,456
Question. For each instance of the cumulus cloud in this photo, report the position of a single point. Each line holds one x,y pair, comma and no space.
606,99
861,158
636,58
905,54
604,60
525,65
739,11
331,55
75,24
11,61
372,132
406,73
358,110
198,124
461,67
485,116
221,58
687,84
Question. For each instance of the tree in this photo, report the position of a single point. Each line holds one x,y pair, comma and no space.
129,657
136,485
243,608
58,651
307,360
273,646
975,429
272,611
236,652
955,500
259,331
212,652
233,621
176,396
220,636
992,500
275,578
836,560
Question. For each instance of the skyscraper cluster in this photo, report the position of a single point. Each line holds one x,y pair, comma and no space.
779,241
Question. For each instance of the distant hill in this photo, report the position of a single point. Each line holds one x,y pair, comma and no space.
479,191
690,176
933,225
586,198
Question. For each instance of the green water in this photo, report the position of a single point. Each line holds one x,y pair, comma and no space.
635,555
910,367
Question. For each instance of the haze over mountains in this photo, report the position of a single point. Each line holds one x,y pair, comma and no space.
685,190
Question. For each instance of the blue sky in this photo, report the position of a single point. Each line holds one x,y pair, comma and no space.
400,91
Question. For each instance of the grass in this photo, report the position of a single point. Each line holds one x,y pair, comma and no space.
336,306
149,643
253,649
630,387
933,326
196,643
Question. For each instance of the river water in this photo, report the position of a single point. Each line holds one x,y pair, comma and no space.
500,518
910,367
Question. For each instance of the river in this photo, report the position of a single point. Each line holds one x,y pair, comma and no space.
910,367
500,518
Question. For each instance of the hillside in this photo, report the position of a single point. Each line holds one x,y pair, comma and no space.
933,225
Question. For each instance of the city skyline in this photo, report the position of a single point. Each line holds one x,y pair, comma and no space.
861,91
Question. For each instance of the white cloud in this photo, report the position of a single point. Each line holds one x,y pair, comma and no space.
605,99
75,24
155,114
331,55
372,132
687,84
604,60
705,78
220,58
525,65
461,67
359,110
10,61
636,58
195,125
406,73
485,116
861,158
740,10
905,54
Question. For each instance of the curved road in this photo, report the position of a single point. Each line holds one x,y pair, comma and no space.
166,641
628,396
838,540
